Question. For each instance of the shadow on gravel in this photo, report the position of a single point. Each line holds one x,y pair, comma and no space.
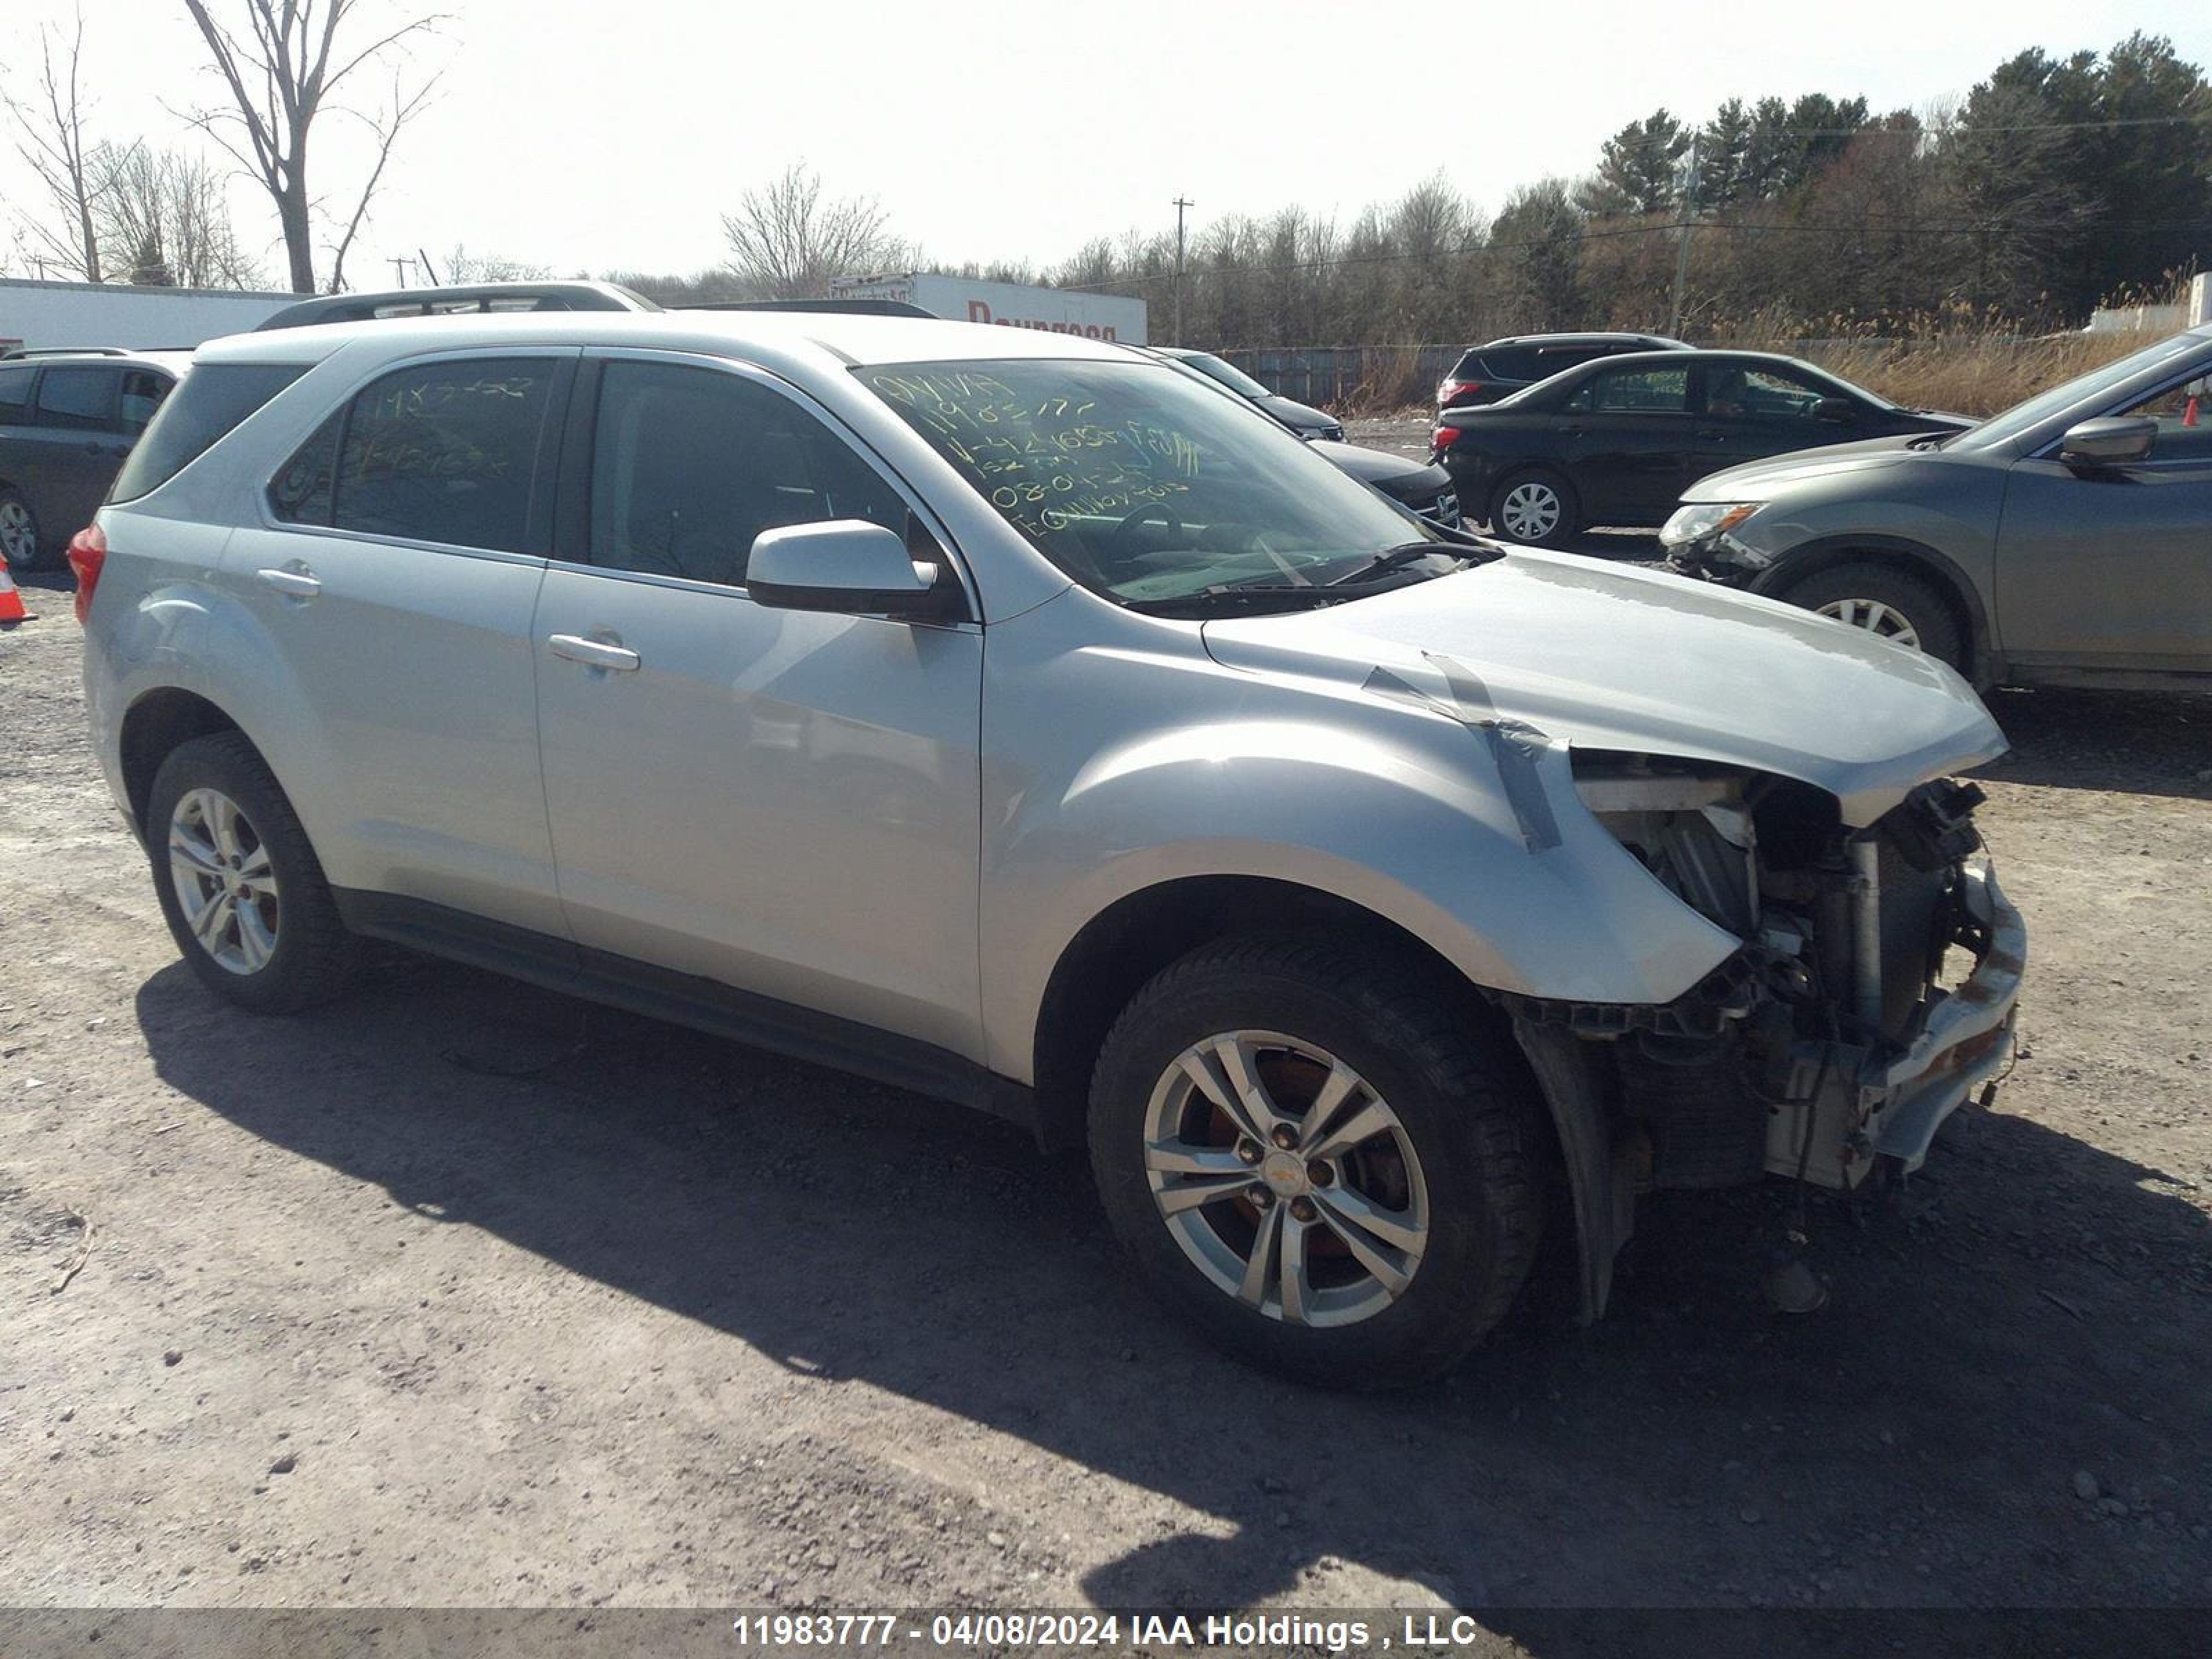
2033,1308
2141,743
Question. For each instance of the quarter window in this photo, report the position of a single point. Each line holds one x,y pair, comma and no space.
442,452
80,399
690,465
15,395
143,391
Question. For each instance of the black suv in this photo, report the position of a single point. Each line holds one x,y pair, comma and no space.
67,419
1486,372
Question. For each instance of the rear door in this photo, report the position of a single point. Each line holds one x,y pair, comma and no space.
2110,568
71,447
782,801
396,570
1627,439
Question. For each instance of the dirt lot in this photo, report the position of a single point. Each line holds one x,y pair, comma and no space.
463,1293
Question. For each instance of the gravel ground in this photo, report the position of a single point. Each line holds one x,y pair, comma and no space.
463,1293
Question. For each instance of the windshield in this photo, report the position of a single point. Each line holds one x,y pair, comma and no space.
2083,388
1147,486
1227,374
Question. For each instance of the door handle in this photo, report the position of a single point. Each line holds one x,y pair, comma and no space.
1712,433
293,584
595,654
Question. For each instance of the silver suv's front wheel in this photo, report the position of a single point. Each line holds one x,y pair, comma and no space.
1324,1161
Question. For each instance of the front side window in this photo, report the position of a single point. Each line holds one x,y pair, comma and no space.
79,399
690,465
1762,394
2184,414
1143,485
443,451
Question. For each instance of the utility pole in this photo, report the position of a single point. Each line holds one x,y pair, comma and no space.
1179,204
399,263
1682,253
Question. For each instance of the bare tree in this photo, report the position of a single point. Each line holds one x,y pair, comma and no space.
787,242
463,266
281,74
51,128
165,220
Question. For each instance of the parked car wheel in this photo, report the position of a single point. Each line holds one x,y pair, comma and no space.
1317,1159
1535,508
239,884
20,540
1889,604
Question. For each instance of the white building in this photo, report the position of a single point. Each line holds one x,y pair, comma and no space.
47,315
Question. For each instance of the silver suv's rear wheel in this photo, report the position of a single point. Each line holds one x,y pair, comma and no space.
1323,1160
239,886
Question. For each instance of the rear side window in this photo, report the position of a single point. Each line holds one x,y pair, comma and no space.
15,394
442,452
1511,363
78,399
207,404
1634,392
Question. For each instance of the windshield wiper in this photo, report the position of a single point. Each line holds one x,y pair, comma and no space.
1245,596
1397,558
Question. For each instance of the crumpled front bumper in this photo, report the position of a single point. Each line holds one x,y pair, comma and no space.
1965,1040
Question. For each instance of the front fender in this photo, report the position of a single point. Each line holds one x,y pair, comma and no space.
1402,812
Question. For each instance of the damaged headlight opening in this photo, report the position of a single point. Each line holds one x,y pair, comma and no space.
1822,1042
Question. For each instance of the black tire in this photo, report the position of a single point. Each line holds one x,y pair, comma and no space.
1564,529
314,956
1469,1113
1904,594
37,558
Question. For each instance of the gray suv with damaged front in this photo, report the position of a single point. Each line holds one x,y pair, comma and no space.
2067,541
1014,719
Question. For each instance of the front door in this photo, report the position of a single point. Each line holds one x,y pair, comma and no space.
2110,568
1753,409
781,801
396,583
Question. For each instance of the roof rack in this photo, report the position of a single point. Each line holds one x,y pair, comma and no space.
72,351
856,308
474,298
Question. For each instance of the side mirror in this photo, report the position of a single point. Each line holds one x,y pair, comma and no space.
2113,442
844,565
1835,409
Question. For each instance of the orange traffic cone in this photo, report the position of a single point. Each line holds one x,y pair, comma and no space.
11,602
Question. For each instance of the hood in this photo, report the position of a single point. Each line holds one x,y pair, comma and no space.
1759,481
1296,415
1605,658
1392,474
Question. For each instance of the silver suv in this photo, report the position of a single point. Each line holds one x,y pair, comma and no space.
1014,720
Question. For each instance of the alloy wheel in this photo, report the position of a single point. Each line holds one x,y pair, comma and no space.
1530,512
1285,1178
18,534
225,886
1884,622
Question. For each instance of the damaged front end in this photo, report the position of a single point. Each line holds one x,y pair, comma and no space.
1873,993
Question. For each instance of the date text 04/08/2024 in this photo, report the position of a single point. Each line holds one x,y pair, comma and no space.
1081,1630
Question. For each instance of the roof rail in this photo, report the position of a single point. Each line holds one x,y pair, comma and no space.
856,308
70,351
476,299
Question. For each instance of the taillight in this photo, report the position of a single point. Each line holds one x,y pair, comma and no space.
88,551
1443,439
1451,389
